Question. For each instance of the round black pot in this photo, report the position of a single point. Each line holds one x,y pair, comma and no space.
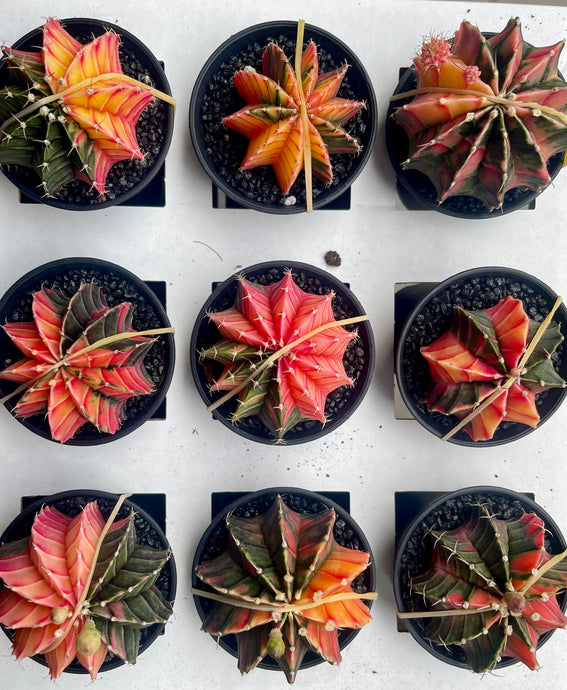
346,532
414,548
154,129
214,85
148,533
420,187
359,356
477,288
118,285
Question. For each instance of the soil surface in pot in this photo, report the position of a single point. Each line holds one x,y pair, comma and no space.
116,289
435,318
227,147
355,358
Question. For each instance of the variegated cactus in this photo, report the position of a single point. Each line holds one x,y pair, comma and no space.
287,114
281,351
80,588
488,367
487,114
72,112
82,361
491,589
285,588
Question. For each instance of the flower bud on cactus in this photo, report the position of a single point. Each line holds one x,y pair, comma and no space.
78,587
498,584
478,357
286,588
77,367
488,114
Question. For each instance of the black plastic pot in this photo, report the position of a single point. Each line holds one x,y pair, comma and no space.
360,354
159,117
429,309
214,541
447,511
216,78
149,532
420,187
118,285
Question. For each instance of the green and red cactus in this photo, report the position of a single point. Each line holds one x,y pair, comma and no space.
487,114
284,587
82,361
80,588
281,351
72,112
292,113
488,367
491,589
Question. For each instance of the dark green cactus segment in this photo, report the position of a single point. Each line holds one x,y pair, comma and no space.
252,648
29,65
547,344
282,527
86,304
476,329
122,640
146,608
485,650
228,351
314,545
273,413
296,646
491,539
54,164
16,142
115,550
253,399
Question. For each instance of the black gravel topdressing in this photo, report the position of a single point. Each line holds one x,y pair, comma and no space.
146,534
356,359
473,293
345,532
116,289
416,555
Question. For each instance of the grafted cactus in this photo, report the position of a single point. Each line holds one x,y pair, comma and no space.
82,361
80,587
487,114
491,588
481,370
285,588
72,112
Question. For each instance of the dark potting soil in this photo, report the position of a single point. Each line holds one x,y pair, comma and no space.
116,289
435,318
354,360
227,148
333,258
449,515
145,535
151,132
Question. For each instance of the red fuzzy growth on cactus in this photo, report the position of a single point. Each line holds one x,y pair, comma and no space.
488,114
272,119
65,373
479,356
501,569
287,562
293,387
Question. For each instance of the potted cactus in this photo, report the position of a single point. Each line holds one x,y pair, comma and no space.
479,578
85,588
249,113
479,360
280,336
480,123
86,351
282,576
86,121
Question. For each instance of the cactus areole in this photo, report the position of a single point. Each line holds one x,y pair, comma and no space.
81,588
69,111
491,587
487,114
284,587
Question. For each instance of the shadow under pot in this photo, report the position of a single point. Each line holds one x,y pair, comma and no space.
86,351
269,360
101,150
128,590
484,549
290,630
479,357
468,145
228,135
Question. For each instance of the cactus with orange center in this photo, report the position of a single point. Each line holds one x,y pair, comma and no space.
80,587
285,588
487,114
72,111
